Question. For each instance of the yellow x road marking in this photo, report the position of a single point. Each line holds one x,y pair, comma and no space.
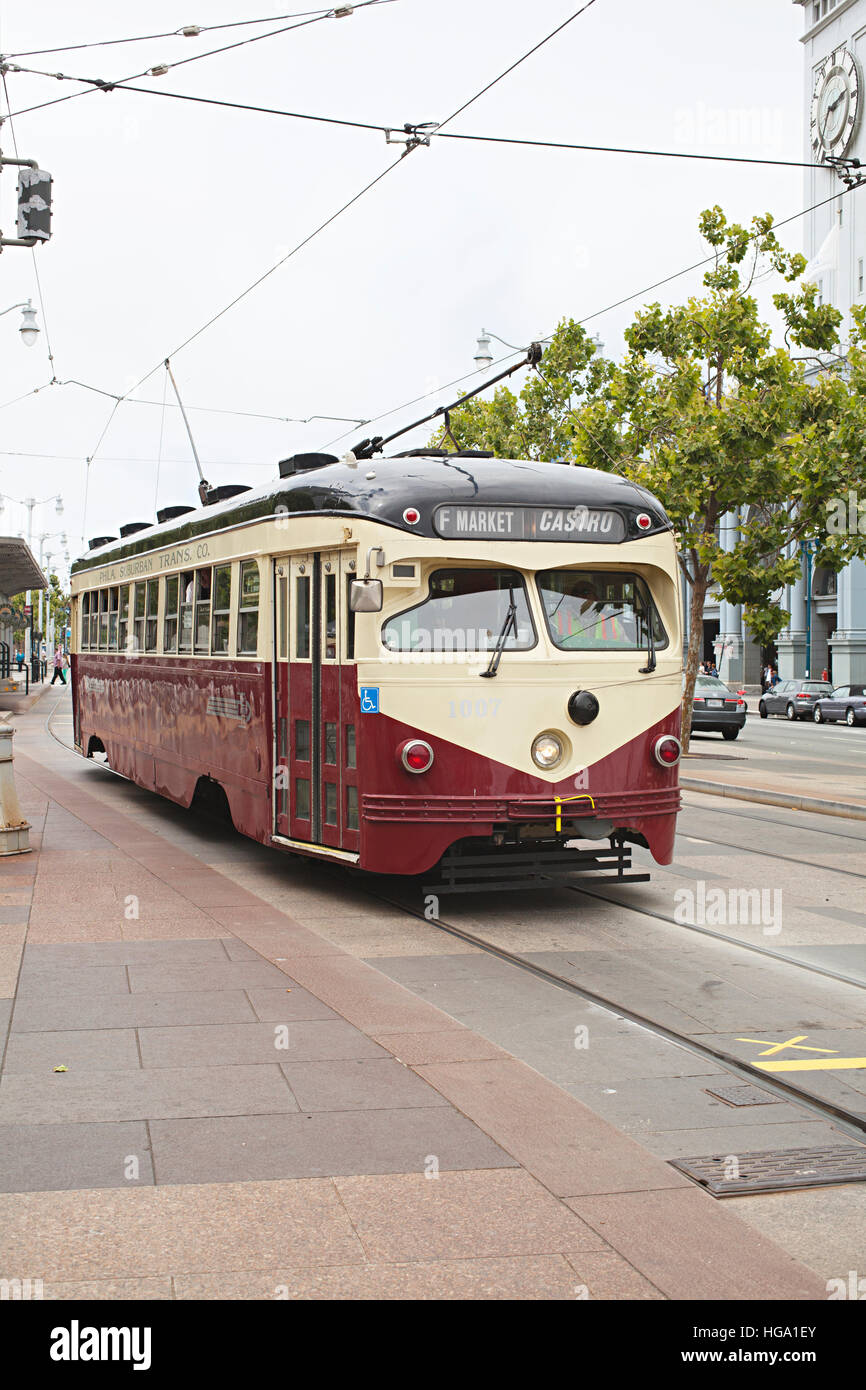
832,1062
792,1042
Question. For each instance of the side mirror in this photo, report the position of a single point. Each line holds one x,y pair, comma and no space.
365,596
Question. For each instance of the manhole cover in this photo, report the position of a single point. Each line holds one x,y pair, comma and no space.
742,1095
775,1170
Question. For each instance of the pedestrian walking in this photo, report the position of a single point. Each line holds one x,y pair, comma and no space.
825,675
19,657
59,666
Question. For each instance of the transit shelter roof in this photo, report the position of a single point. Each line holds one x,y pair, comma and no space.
19,569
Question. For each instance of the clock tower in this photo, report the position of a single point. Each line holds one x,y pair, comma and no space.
828,612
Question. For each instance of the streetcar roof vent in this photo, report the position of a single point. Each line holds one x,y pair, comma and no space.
304,463
225,491
99,541
132,526
445,454
169,513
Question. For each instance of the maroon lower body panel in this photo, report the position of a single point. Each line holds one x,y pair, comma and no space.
409,820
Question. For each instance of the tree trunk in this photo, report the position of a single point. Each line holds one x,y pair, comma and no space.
696,643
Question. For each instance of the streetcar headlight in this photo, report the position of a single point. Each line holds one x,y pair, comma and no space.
547,750
667,750
415,755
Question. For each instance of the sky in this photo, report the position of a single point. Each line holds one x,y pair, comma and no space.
166,210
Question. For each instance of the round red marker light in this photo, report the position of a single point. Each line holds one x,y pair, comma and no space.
416,755
667,750
644,521
411,516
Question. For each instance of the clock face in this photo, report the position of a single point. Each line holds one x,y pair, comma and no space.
835,105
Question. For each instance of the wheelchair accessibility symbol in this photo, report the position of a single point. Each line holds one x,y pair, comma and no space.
369,699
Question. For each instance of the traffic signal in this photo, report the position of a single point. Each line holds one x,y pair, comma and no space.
34,204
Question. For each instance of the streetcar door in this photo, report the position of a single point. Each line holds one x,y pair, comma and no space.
310,752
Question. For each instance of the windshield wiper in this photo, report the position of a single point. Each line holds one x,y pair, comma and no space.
510,622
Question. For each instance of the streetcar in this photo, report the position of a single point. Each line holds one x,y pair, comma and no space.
432,663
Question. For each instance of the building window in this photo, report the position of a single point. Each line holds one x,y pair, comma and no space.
222,602
248,613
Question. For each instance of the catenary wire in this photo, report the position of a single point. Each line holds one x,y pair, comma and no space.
168,34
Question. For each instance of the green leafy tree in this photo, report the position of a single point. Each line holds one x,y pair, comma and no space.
712,417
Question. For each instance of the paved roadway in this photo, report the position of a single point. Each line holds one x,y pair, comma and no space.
803,757
625,944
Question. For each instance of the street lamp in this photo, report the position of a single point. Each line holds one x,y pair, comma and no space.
483,355
29,329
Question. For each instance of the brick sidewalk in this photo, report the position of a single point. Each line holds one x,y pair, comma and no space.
249,1112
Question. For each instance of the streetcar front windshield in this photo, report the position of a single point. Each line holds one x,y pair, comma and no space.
465,610
603,610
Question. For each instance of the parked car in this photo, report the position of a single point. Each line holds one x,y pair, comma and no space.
795,699
717,709
846,702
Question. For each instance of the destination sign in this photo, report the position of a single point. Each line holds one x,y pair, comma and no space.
529,523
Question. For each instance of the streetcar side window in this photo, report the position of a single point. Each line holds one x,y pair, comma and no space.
85,622
113,599
169,623
103,620
467,610
152,609
599,610
302,616
284,619
202,610
187,590
222,602
248,610
123,619
138,618
330,617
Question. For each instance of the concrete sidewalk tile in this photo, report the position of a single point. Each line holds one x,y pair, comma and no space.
606,1275
5,1015
172,928
125,953
460,1215
14,916
558,1139
690,1247
234,1044
288,1003
366,997
94,1049
235,949
152,1231
204,975
10,960
287,939
520,1277
151,1093
16,897
249,1147
108,1290
451,1045
132,1011
49,929
58,980
360,1084
65,1157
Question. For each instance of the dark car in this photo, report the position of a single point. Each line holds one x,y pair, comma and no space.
717,709
846,702
795,699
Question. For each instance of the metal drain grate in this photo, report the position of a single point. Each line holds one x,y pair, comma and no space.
775,1170
743,1095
